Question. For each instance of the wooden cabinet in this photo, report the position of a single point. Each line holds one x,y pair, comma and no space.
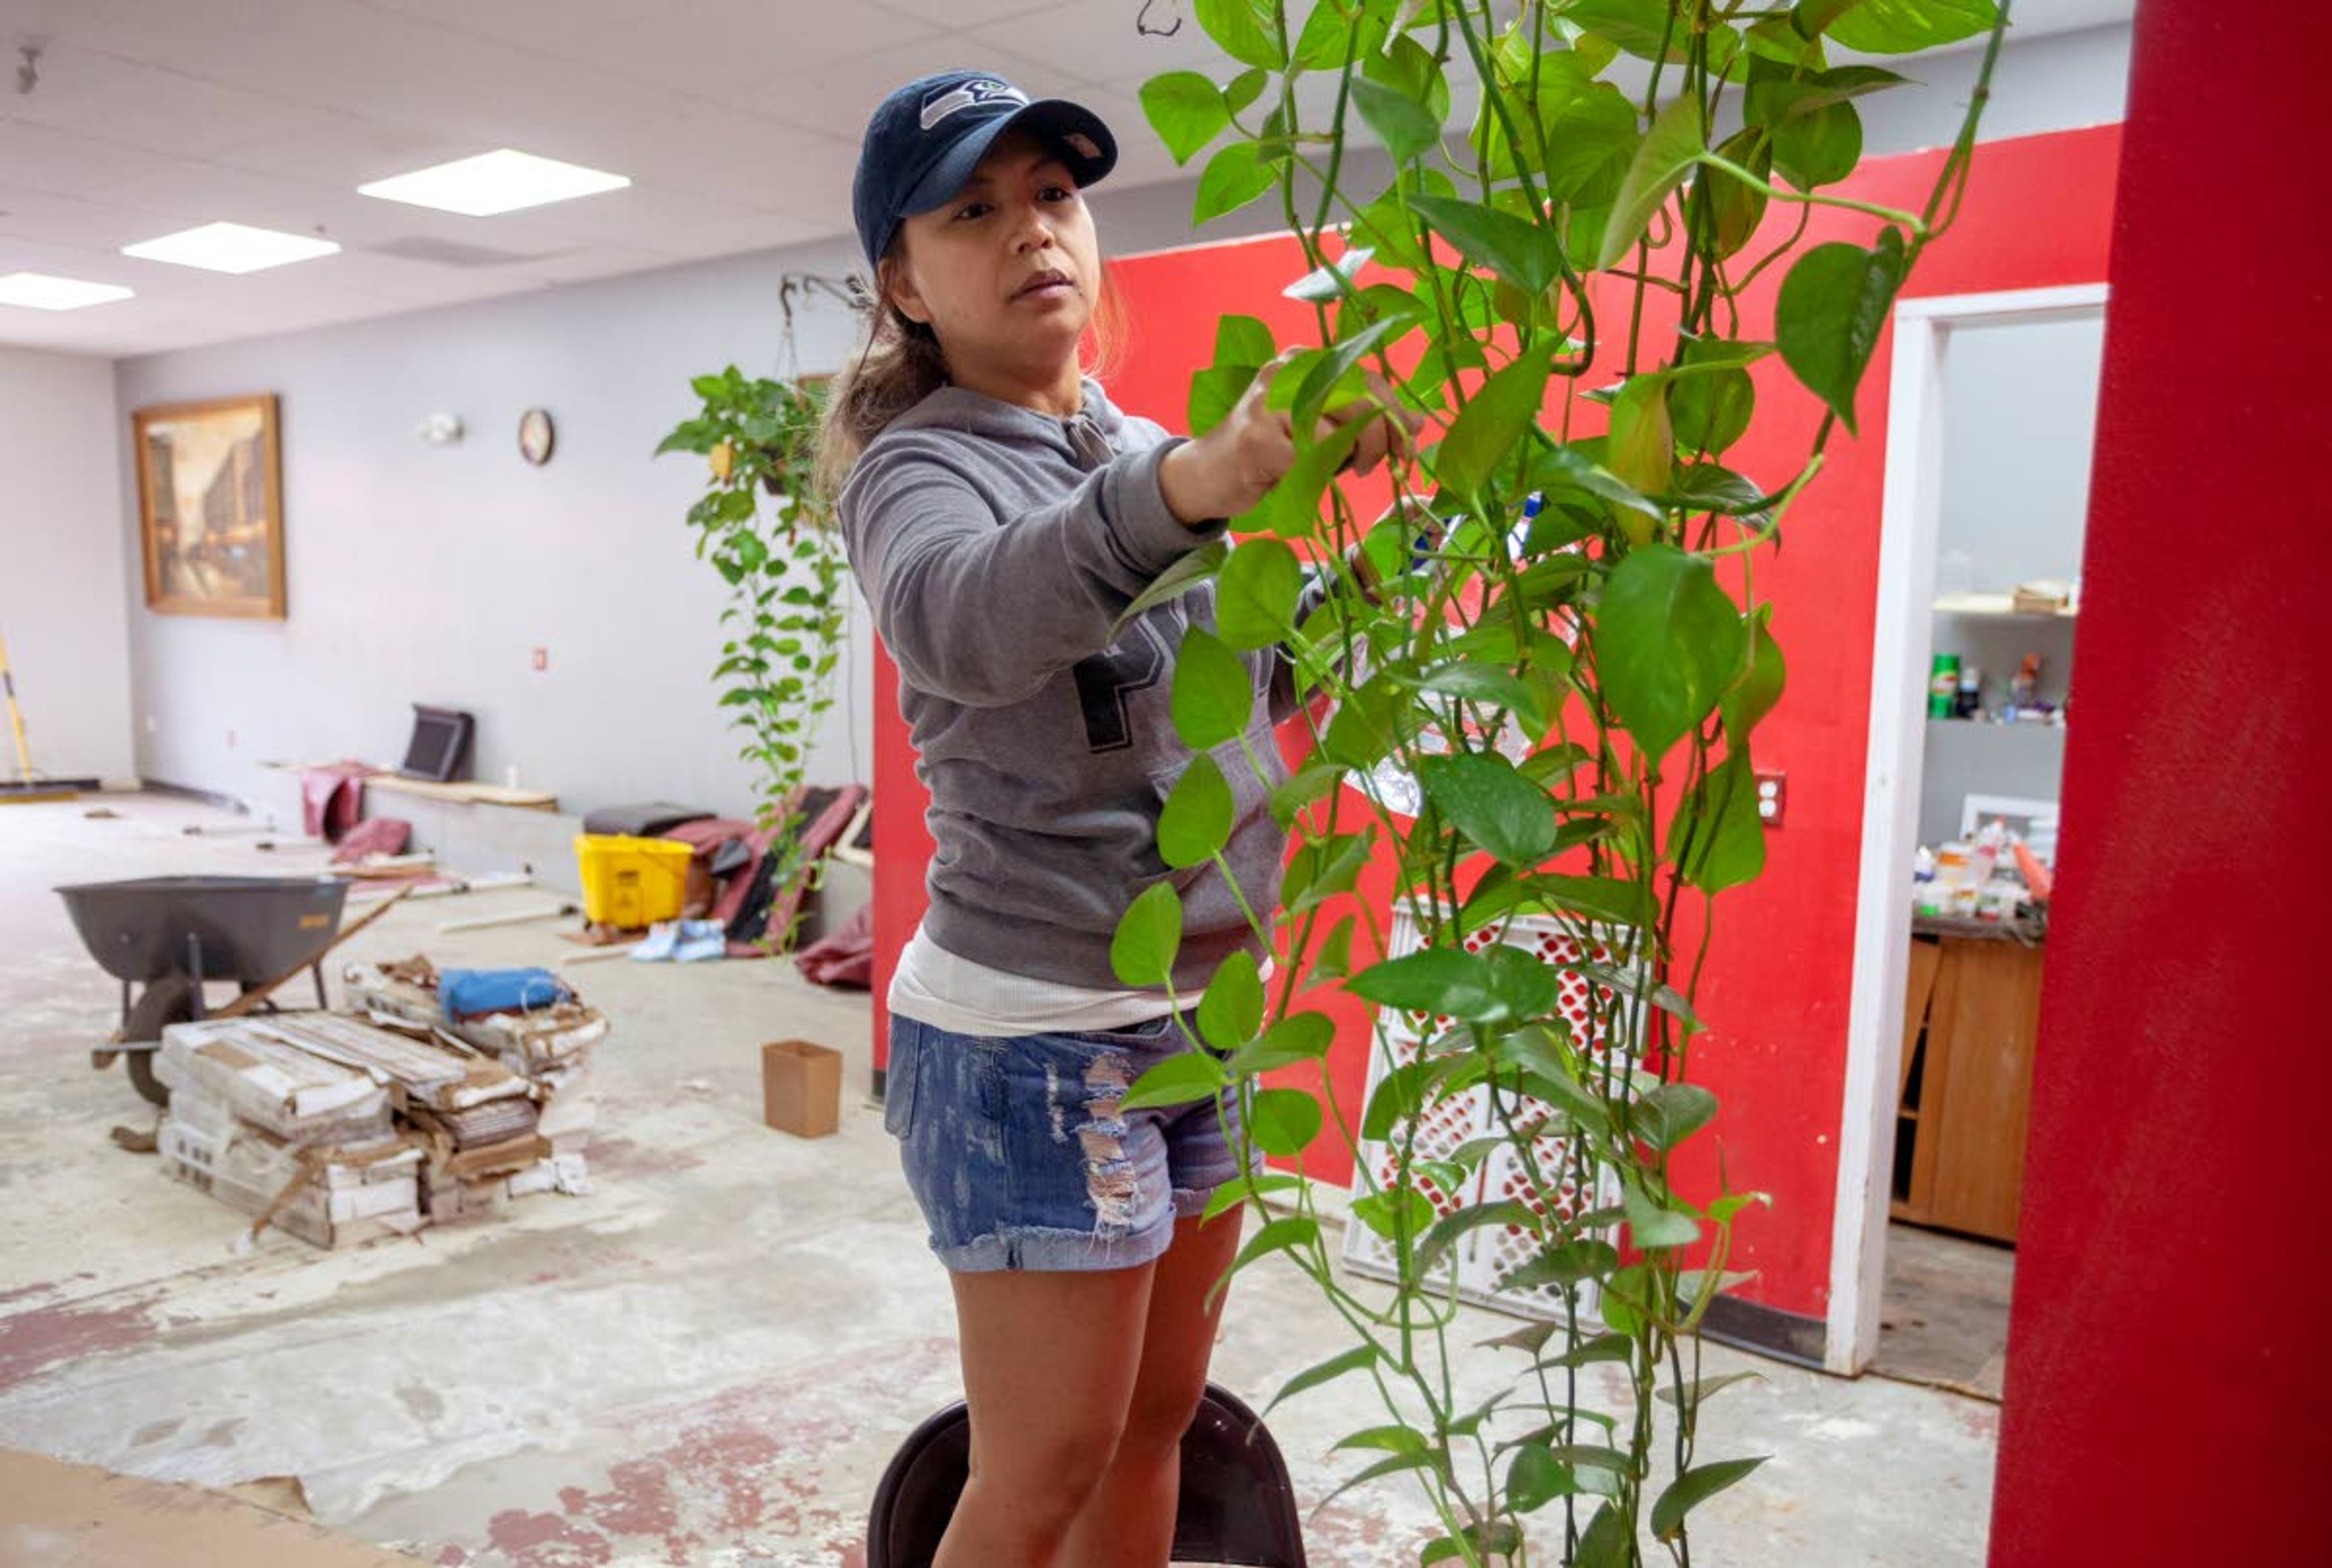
1965,1086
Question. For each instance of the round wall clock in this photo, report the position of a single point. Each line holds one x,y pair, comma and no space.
535,436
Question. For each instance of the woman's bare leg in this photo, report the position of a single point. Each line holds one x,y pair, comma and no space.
1049,1370
1128,1520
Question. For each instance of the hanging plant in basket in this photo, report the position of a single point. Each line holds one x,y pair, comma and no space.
765,528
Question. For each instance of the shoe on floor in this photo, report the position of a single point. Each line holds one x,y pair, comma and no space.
663,937
701,939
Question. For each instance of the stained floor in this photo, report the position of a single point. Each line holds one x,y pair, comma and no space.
707,1360
1945,1315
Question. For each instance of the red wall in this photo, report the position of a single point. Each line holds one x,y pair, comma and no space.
1778,985
1775,993
2167,1331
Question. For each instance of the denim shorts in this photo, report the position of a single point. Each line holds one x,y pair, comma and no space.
1020,1158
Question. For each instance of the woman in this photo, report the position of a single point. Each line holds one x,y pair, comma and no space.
1000,515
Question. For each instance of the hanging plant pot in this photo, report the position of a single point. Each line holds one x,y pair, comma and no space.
784,623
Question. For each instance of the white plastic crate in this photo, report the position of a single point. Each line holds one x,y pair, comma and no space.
1486,1255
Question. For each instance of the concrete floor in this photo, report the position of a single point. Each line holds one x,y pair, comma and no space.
706,1362
1945,1314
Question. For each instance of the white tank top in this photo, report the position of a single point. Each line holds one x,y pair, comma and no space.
934,986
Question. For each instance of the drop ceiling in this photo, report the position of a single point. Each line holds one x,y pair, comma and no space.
737,122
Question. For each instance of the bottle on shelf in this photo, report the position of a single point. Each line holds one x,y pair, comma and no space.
2024,683
1942,685
1968,701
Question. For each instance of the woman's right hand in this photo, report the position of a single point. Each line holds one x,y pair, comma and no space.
1230,468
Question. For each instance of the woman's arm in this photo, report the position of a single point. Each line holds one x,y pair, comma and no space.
983,614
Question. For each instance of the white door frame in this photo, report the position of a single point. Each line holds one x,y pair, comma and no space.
1909,516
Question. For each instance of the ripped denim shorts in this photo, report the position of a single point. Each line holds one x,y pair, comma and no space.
1020,1158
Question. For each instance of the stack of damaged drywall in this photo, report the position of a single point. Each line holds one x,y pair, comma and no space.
550,1047
475,1120
290,1137
339,1129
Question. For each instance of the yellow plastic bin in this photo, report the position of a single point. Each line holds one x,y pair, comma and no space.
631,882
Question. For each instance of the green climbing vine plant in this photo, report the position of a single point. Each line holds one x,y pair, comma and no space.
765,528
1548,694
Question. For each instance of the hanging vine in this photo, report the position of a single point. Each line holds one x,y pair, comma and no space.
1549,703
762,524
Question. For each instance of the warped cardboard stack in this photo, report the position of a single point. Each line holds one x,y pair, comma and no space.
341,1129
548,1048
271,1129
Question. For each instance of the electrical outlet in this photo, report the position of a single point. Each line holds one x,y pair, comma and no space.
1772,795
542,658
230,740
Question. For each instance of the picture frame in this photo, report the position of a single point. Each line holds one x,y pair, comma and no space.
210,507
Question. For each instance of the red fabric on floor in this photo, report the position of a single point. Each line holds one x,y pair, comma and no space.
844,959
331,798
375,836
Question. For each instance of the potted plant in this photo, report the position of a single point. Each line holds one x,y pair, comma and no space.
764,527
1551,706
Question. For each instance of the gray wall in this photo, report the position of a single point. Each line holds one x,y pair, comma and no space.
2019,422
425,574
419,573
2020,414
2059,81
63,606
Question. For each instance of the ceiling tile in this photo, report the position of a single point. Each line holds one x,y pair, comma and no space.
692,145
961,14
714,47
65,162
838,98
738,121
125,102
593,262
37,217
346,150
205,192
1098,40
651,217
523,22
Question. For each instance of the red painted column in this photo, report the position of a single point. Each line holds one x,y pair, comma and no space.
2168,1380
902,843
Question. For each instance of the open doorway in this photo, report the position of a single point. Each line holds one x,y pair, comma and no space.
1989,431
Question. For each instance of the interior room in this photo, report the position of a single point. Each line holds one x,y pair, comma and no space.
509,836
2018,421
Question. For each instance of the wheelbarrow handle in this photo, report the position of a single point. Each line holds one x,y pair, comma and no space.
258,994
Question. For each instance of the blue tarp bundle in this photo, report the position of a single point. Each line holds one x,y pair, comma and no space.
464,994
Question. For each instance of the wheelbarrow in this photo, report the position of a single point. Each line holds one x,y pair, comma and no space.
1237,1503
170,934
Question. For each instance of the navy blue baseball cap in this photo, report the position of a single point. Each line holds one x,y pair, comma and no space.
928,136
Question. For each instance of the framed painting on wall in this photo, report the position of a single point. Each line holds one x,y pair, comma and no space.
210,507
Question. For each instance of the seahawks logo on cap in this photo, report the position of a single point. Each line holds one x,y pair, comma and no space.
987,90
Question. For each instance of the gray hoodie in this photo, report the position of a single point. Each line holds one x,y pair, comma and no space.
997,546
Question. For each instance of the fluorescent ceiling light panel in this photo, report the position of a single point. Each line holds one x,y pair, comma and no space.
494,182
40,292
230,248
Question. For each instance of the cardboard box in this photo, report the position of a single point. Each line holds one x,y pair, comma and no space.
801,1088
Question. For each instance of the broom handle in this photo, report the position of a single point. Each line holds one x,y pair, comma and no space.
15,718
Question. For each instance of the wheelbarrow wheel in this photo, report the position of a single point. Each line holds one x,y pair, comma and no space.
169,1000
